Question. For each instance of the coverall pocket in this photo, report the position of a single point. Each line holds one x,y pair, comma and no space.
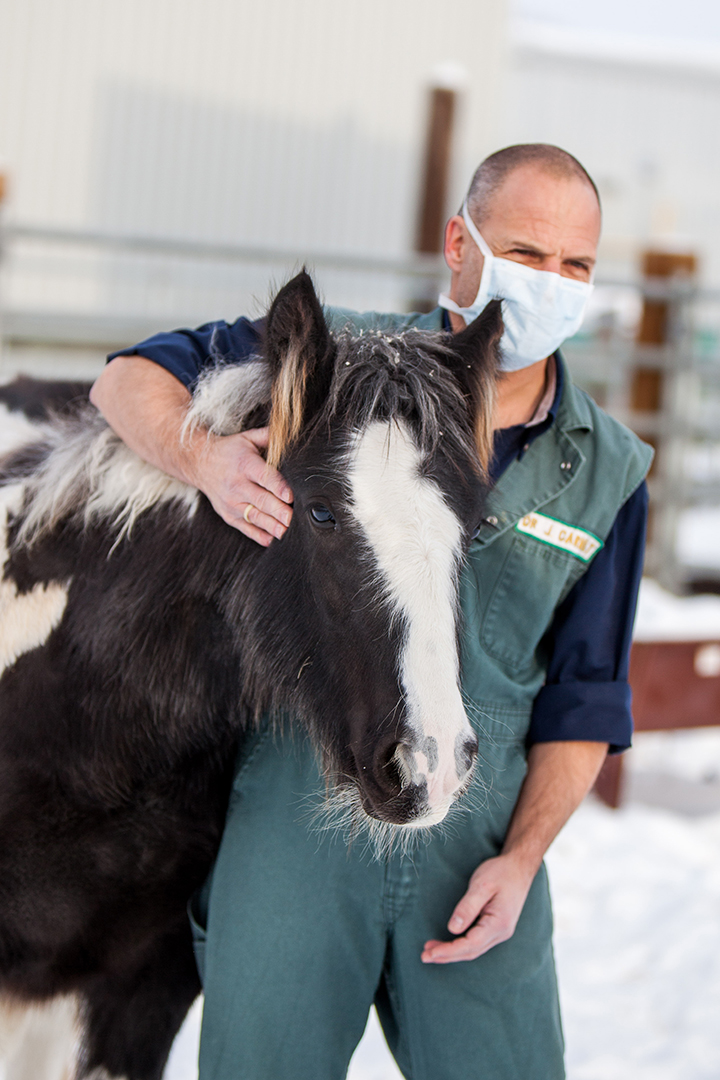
533,581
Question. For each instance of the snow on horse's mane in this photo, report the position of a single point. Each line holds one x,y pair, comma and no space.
88,473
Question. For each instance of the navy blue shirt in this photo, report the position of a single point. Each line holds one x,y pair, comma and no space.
586,695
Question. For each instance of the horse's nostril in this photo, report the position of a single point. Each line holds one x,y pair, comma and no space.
389,768
466,750
388,760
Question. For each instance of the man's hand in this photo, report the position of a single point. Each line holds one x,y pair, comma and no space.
147,407
244,490
486,915
559,776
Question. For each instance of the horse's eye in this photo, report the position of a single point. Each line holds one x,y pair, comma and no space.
322,516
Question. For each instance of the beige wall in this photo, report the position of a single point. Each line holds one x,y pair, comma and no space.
294,122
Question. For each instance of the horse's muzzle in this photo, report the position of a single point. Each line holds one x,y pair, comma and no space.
408,784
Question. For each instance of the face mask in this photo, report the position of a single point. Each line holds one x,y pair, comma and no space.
540,310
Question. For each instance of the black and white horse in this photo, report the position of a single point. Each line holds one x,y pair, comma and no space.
140,636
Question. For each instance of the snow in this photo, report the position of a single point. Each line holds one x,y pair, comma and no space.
698,539
637,895
661,616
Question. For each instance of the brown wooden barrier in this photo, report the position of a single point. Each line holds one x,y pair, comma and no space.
676,684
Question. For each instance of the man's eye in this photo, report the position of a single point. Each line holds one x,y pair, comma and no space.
322,516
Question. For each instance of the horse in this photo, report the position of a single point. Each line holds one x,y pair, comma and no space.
141,637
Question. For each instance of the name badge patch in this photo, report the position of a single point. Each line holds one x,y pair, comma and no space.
583,545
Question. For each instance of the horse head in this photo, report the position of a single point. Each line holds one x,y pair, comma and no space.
353,616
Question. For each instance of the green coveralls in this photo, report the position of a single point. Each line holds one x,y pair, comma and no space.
297,933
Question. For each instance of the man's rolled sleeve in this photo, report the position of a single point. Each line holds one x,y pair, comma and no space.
186,353
586,696
587,711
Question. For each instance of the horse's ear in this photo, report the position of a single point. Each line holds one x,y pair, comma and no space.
299,350
475,362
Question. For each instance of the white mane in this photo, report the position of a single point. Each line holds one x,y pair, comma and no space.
90,474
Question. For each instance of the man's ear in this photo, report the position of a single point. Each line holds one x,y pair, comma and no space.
475,364
300,351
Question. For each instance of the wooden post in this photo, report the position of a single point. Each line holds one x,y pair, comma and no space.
651,396
434,184
436,170
647,381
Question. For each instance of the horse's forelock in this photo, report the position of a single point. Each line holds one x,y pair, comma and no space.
406,377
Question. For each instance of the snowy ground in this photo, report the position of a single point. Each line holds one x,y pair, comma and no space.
661,616
637,908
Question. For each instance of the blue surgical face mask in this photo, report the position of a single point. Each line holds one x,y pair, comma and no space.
540,310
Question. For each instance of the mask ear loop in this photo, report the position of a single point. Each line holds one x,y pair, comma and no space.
468,314
474,232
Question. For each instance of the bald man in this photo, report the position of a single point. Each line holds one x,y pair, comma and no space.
296,934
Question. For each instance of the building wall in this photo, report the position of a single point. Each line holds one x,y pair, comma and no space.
287,122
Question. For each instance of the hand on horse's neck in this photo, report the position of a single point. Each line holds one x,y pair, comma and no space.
518,395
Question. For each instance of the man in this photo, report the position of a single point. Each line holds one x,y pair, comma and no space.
297,935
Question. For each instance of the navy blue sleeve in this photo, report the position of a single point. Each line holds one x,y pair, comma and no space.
185,353
586,695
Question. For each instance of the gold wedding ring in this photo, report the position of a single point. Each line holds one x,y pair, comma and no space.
246,511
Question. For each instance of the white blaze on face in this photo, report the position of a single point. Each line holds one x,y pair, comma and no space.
416,539
26,619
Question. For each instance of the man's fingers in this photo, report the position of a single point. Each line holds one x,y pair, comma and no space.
259,436
256,534
263,474
468,909
253,515
269,506
478,940
245,491
270,479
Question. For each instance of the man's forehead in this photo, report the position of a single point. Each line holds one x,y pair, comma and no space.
533,204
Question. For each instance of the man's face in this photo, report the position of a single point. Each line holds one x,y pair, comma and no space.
547,222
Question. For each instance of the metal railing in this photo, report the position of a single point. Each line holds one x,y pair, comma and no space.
61,282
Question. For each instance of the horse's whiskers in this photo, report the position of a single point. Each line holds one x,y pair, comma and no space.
342,811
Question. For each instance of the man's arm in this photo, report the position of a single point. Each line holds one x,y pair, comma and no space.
559,776
146,406
583,708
